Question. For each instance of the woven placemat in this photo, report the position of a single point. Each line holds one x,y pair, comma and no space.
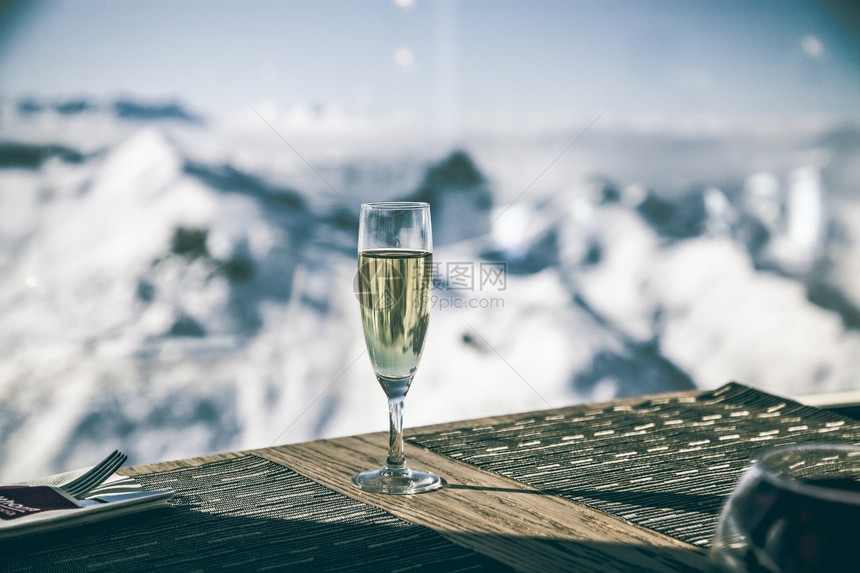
245,514
666,464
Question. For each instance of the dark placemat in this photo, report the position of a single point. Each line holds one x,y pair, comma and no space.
666,464
245,514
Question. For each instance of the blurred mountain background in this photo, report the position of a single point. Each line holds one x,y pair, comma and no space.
624,201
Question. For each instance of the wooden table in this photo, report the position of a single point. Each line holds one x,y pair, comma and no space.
507,520
529,531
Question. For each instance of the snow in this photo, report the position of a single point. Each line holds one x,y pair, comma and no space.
187,287
718,307
617,286
845,272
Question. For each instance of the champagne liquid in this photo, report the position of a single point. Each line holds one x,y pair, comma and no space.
394,292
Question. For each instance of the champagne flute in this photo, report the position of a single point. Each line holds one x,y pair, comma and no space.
395,271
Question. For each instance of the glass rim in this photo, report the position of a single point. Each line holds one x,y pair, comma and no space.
395,205
765,464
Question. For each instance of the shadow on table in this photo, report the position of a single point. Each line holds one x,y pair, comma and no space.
182,539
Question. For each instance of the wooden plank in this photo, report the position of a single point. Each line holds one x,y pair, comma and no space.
497,516
832,400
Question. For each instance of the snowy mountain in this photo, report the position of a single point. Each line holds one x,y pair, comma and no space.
174,285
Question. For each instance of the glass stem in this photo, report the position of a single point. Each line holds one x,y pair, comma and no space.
396,457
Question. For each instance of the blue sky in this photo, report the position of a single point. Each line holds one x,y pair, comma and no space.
458,61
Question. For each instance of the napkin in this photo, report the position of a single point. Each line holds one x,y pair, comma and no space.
23,500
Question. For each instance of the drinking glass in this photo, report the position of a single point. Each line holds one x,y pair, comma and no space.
395,271
796,509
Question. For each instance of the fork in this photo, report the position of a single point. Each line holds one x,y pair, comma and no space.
95,476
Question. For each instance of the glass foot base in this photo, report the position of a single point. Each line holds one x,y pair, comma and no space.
403,481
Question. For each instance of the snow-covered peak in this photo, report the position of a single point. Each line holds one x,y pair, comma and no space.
137,169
